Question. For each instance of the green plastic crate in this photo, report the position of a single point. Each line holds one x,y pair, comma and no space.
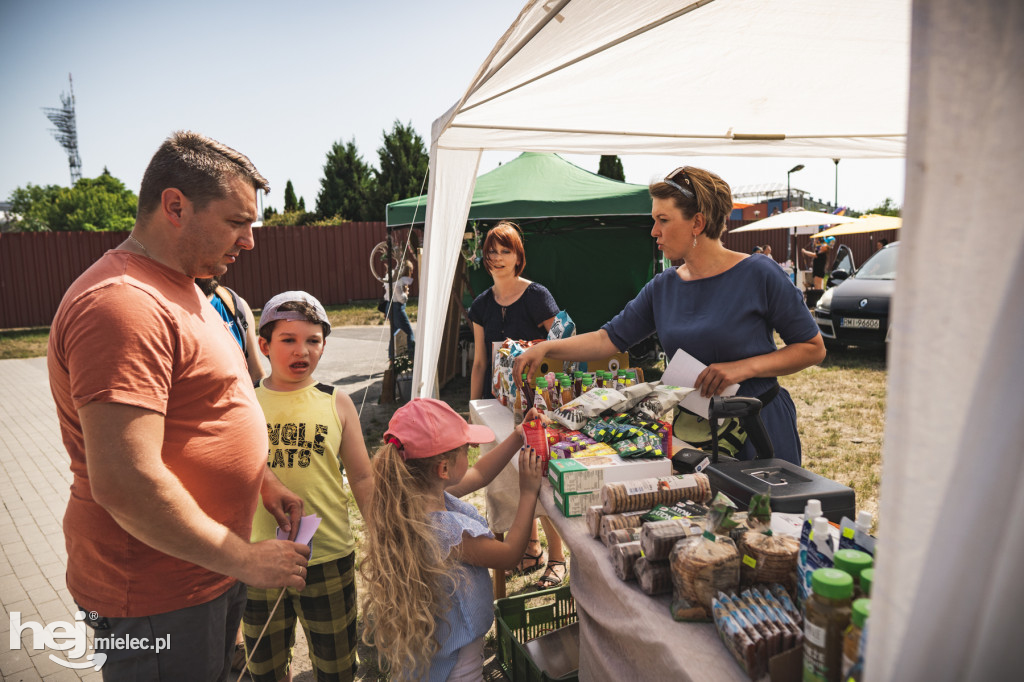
517,624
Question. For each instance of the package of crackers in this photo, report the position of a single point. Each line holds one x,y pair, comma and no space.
622,535
593,516
768,558
659,537
704,565
654,577
624,556
644,493
610,522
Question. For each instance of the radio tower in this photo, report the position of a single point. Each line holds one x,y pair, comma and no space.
65,132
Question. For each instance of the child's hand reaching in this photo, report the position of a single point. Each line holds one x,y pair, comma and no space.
532,413
530,468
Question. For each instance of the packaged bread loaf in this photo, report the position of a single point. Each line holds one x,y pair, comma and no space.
658,538
704,565
610,522
654,577
624,556
644,493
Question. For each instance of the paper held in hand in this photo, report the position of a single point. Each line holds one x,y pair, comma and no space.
683,370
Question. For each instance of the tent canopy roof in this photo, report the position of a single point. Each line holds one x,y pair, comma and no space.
535,185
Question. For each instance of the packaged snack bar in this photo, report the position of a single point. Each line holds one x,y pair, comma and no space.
745,649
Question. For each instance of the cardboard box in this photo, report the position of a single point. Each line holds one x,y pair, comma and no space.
575,504
587,474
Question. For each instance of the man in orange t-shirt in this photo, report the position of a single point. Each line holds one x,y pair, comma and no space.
166,437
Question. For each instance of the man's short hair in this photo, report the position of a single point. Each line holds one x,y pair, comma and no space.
199,167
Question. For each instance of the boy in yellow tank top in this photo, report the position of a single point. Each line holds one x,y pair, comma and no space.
315,437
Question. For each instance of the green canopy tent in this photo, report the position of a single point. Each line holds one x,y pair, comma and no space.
587,237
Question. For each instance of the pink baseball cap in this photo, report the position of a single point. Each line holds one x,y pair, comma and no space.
425,427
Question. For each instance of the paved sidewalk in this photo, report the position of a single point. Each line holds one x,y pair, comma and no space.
34,486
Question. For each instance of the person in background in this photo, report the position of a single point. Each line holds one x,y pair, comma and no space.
428,603
238,316
881,244
315,444
397,316
513,308
767,250
166,438
722,307
819,252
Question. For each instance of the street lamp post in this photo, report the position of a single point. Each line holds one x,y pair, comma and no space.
836,200
790,251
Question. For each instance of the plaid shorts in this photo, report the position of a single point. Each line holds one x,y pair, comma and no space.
327,610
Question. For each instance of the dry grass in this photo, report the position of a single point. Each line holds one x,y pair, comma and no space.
31,343
841,417
23,343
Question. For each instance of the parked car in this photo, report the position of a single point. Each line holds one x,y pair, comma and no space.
854,310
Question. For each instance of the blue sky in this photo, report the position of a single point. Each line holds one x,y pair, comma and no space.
281,82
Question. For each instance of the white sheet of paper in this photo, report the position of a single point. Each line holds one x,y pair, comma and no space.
683,370
307,527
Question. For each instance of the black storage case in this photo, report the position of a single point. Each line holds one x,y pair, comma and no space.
788,485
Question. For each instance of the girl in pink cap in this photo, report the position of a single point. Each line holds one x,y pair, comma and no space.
429,602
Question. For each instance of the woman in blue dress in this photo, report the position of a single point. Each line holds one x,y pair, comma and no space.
721,306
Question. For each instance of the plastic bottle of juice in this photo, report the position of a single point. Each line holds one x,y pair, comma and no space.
826,617
541,397
811,511
566,390
853,637
854,562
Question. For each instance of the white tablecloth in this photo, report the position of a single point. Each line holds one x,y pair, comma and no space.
624,634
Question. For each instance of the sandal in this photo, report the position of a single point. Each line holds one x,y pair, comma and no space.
553,577
529,563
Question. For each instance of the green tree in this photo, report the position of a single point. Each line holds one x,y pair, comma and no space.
611,167
887,207
347,186
95,204
403,168
290,202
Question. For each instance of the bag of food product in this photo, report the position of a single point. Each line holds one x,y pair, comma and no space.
704,565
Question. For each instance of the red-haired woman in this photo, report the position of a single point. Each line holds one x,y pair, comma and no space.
514,308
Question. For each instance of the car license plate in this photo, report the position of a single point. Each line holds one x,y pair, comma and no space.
859,323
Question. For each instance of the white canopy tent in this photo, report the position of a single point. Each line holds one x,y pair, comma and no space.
758,78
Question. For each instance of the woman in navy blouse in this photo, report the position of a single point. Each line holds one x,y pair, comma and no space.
720,306
514,308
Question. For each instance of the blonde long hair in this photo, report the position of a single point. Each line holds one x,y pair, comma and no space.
409,579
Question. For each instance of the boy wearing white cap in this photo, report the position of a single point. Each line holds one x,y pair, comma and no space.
315,438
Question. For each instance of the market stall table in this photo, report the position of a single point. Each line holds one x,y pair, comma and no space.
624,633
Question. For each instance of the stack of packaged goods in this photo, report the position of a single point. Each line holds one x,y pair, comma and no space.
605,434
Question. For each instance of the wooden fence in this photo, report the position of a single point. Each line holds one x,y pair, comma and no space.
332,263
